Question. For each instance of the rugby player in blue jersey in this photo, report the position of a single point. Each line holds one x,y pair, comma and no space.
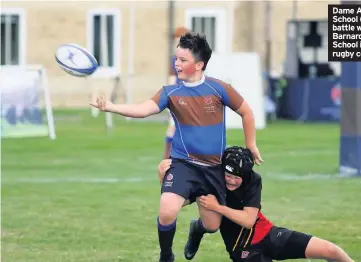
197,106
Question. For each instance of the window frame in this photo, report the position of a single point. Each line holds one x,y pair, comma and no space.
222,36
102,71
22,32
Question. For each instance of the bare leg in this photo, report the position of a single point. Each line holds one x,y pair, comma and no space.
208,222
211,220
323,249
170,205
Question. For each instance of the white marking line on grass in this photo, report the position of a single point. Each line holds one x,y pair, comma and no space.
295,153
271,176
291,176
77,180
155,159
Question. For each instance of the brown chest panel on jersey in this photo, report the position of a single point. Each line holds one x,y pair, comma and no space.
197,111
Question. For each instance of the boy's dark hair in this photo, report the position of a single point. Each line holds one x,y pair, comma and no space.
198,45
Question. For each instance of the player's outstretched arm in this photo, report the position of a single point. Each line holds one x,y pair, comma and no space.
249,129
237,103
246,217
249,125
141,110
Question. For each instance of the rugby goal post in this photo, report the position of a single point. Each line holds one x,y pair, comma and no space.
26,109
114,82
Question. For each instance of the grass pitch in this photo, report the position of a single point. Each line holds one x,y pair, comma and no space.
93,195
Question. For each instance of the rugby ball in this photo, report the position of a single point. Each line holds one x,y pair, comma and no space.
75,60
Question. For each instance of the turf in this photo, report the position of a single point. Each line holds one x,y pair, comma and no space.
93,194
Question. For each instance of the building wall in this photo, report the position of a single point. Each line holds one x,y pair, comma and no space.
50,24
250,25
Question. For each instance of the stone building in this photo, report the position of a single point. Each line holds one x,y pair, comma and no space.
137,43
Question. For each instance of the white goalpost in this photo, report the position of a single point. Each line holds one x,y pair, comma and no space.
91,82
26,109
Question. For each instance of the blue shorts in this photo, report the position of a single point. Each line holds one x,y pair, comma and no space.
190,180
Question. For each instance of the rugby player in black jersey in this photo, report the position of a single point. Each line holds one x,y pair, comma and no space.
247,234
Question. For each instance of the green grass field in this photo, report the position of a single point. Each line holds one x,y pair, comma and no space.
93,195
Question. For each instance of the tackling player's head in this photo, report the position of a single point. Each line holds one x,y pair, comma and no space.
237,163
192,56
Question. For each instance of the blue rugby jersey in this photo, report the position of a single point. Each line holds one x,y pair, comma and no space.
198,110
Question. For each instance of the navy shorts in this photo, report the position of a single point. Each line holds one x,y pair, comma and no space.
190,180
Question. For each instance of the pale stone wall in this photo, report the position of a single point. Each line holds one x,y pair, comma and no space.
250,25
54,23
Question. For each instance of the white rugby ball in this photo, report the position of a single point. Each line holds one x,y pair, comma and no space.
75,60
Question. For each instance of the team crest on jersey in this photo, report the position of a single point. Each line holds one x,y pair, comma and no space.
208,107
181,102
169,177
208,100
244,254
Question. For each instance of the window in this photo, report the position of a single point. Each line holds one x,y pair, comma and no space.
12,37
207,26
212,23
104,40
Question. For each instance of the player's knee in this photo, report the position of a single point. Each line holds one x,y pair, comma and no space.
167,217
210,226
212,229
323,249
331,250
170,205
211,221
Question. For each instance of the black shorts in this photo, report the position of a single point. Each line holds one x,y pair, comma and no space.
279,244
191,180
249,255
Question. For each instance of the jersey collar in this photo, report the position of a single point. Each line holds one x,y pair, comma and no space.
201,81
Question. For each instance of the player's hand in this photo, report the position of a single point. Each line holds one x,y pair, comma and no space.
210,202
256,155
101,103
163,166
